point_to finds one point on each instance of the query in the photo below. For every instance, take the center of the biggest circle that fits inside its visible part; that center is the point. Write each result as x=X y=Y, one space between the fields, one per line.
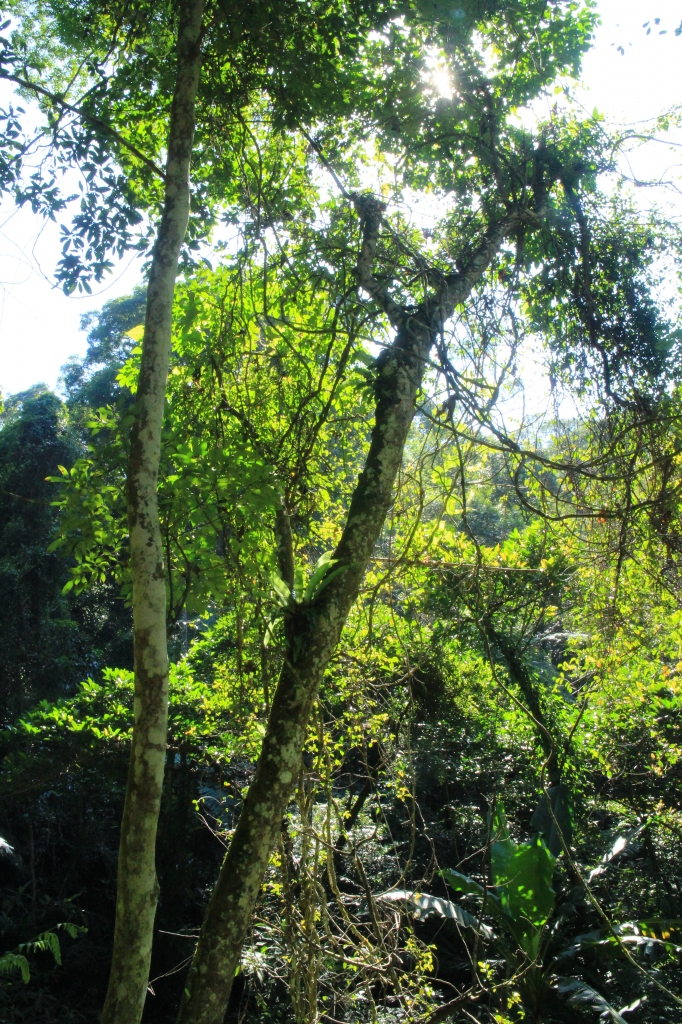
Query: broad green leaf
x=462 y=883
x=427 y=906
x=492 y=904
x=322 y=566
x=282 y=592
x=579 y=993
x=502 y=848
x=326 y=580
x=529 y=882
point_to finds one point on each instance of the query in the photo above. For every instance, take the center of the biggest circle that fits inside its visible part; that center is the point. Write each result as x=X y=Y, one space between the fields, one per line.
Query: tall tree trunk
x=313 y=629
x=520 y=674
x=137 y=891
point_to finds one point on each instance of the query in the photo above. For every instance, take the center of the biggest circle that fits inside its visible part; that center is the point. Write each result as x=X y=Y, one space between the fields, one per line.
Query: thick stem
x=519 y=673
x=285 y=546
x=313 y=630
x=137 y=890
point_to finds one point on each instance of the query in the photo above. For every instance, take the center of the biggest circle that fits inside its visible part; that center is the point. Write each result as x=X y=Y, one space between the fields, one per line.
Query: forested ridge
x=341 y=578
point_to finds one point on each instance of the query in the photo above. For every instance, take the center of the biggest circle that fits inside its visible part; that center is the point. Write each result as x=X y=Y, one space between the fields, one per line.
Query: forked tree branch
x=313 y=628
x=97 y=122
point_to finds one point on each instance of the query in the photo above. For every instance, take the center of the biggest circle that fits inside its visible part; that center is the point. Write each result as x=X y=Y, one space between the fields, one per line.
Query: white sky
x=39 y=325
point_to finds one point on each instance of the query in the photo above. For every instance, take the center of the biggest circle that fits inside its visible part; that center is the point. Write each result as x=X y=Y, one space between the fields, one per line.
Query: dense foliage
x=487 y=817
x=487 y=638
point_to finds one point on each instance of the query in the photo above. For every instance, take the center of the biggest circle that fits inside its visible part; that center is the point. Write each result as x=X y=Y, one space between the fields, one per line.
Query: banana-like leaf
x=655 y=928
x=651 y=934
x=430 y=906
x=661 y=928
x=624 y=845
x=579 y=993
x=522 y=877
x=500 y=831
x=269 y=632
x=524 y=881
x=493 y=905
x=462 y=883
x=427 y=906
x=588 y=940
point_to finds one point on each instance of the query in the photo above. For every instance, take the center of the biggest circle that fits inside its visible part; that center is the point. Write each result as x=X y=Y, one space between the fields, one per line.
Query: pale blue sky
x=39 y=325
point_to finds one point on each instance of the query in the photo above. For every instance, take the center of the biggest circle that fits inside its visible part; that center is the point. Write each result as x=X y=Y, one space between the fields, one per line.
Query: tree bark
x=137 y=890
x=313 y=629
x=520 y=674
x=285 y=546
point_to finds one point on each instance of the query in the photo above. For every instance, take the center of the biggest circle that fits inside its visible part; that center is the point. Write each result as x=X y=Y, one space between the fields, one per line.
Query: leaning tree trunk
x=313 y=629
x=519 y=673
x=137 y=890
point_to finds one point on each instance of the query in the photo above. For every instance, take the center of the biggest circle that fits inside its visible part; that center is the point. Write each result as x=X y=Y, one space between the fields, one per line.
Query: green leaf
x=269 y=633
x=365 y=358
x=492 y=904
x=10 y=962
x=135 y=333
x=462 y=883
x=282 y=592
x=502 y=848
x=428 y=906
x=648 y=934
x=528 y=885
x=526 y=894
x=579 y=993
x=322 y=566
x=623 y=845
x=328 y=578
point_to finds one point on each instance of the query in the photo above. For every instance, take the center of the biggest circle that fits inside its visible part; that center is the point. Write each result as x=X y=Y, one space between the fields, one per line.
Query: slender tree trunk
x=313 y=630
x=520 y=674
x=137 y=891
x=285 y=546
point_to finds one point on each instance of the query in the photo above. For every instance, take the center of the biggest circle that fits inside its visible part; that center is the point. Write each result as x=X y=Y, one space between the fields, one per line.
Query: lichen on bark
x=137 y=887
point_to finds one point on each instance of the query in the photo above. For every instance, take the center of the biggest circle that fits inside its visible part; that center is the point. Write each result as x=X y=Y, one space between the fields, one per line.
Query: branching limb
x=371 y=212
x=84 y=115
